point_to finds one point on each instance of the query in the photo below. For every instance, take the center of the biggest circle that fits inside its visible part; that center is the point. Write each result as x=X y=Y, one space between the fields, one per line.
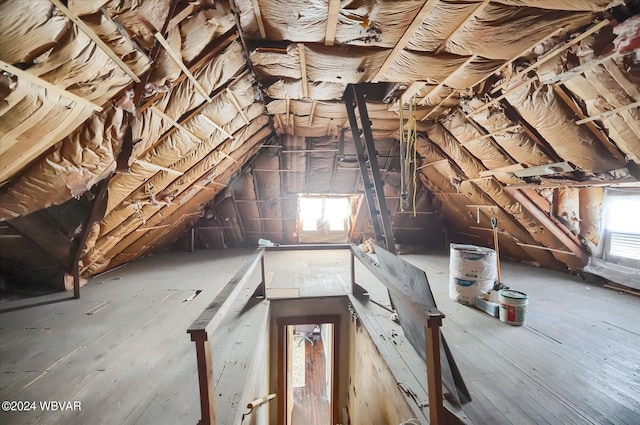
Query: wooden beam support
x=47 y=85
x=258 y=14
x=158 y=167
x=178 y=60
x=502 y=96
x=609 y=113
x=434 y=371
x=94 y=37
x=462 y=25
x=232 y=98
x=544 y=248
x=547 y=222
x=313 y=111
x=332 y=22
x=428 y=6
x=590 y=125
x=181 y=16
x=553 y=53
x=519 y=55
x=303 y=70
x=176 y=124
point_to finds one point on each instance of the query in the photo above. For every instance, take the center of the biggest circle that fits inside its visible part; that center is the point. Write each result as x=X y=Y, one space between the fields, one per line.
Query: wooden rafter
x=590 y=125
x=502 y=96
x=404 y=40
x=258 y=14
x=446 y=82
x=303 y=70
x=176 y=124
x=94 y=37
x=608 y=113
x=47 y=85
x=553 y=53
x=332 y=22
x=159 y=167
x=178 y=60
x=462 y=25
x=182 y=15
x=234 y=101
x=313 y=111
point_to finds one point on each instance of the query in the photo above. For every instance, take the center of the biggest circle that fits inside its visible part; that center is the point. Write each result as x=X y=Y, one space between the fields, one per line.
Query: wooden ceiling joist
x=332 y=22
x=178 y=60
x=462 y=25
x=502 y=96
x=94 y=37
x=159 y=167
x=47 y=85
x=553 y=53
x=428 y=6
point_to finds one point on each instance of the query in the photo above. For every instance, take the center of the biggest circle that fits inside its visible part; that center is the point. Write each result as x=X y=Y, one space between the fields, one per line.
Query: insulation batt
x=198 y=30
x=467 y=135
x=577 y=5
x=74 y=166
x=490 y=33
x=292 y=89
x=540 y=107
x=28 y=29
x=516 y=143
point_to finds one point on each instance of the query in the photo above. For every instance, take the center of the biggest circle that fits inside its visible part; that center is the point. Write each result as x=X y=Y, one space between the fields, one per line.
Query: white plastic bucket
x=465 y=291
x=513 y=306
x=472 y=272
x=472 y=262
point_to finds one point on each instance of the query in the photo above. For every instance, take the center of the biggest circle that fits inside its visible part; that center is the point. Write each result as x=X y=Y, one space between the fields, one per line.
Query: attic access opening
x=324 y=219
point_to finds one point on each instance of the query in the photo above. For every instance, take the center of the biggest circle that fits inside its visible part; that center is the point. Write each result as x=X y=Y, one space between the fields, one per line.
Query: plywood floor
x=123 y=352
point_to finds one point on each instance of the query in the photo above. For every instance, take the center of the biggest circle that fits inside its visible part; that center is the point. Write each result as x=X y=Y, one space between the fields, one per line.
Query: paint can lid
x=516 y=295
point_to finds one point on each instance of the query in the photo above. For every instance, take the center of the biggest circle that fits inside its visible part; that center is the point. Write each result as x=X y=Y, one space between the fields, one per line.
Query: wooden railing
x=204 y=326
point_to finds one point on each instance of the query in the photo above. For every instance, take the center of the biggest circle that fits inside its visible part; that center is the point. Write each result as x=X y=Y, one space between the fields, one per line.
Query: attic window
x=623 y=227
x=317 y=213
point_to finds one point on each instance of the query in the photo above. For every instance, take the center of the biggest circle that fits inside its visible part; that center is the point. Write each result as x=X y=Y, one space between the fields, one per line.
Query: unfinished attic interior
x=320 y=212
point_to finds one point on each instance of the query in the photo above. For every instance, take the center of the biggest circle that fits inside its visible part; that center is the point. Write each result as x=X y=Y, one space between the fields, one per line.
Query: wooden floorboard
x=122 y=349
x=311 y=403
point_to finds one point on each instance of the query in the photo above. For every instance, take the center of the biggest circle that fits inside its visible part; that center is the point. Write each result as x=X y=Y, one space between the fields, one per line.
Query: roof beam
x=462 y=25
x=553 y=53
x=47 y=85
x=608 y=113
x=234 y=101
x=332 y=22
x=428 y=6
x=258 y=14
x=178 y=60
x=94 y=37
x=303 y=70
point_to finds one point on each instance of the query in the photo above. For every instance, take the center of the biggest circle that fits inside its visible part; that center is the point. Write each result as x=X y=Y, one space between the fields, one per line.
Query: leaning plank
x=94 y=37
x=211 y=317
x=178 y=60
x=47 y=85
x=404 y=40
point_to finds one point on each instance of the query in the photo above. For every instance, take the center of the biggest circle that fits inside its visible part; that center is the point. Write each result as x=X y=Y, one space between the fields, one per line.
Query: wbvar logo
x=54 y=405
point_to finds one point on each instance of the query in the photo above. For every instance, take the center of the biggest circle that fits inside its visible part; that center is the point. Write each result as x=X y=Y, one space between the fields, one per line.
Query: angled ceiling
x=522 y=110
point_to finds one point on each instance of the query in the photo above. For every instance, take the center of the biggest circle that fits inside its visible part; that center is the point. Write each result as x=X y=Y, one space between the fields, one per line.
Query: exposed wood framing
x=258 y=14
x=462 y=25
x=234 y=101
x=404 y=40
x=502 y=96
x=313 y=111
x=159 y=167
x=590 y=125
x=47 y=85
x=522 y=53
x=609 y=113
x=182 y=15
x=449 y=96
x=553 y=53
x=545 y=248
x=178 y=60
x=175 y=123
x=547 y=222
x=94 y=37
x=332 y=22
x=214 y=48
x=303 y=70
